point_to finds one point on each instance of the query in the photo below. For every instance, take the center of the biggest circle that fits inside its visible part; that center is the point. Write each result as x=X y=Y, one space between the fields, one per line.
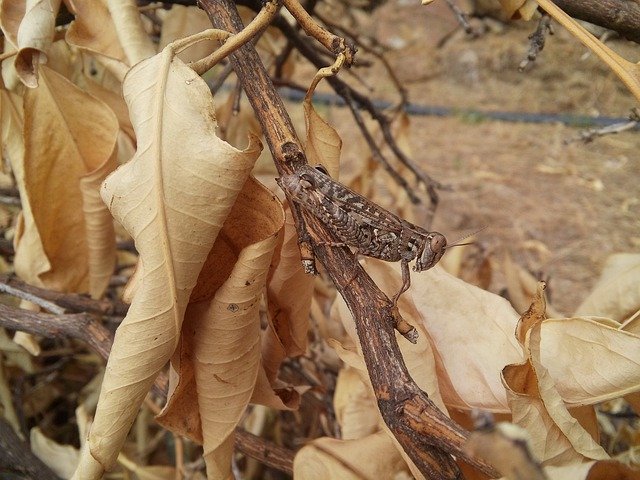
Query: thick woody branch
x=395 y=390
x=622 y=16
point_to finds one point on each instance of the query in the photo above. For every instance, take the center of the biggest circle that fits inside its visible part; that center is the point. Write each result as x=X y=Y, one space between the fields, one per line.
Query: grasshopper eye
x=438 y=243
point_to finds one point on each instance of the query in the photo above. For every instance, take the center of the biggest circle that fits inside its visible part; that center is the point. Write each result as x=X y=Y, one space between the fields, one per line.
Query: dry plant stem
x=88 y=329
x=371 y=309
x=365 y=103
x=331 y=42
x=265 y=451
x=257 y=25
x=81 y=326
x=590 y=135
x=537 y=40
x=377 y=154
x=463 y=18
x=376 y=51
x=325 y=73
x=60 y=302
x=17 y=460
x=622 y=16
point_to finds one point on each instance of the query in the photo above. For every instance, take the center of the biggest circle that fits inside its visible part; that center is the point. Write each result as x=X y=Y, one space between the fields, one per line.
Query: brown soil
x=559 y=209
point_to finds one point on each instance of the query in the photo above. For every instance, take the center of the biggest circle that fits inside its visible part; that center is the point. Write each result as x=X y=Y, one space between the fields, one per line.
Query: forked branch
x=370 y=307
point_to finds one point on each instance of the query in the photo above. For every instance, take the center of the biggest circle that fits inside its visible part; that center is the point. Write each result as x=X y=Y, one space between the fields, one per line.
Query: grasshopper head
x=432 y=251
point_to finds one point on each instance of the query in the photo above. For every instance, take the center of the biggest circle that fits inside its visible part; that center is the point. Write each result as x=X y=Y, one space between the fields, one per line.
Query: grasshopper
x=362 y=225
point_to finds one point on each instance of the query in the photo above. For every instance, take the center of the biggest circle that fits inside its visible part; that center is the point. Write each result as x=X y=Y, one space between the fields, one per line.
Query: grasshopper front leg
x=406 y=281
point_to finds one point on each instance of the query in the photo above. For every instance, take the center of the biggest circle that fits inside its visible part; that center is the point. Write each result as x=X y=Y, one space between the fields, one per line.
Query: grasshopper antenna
x=457 y=242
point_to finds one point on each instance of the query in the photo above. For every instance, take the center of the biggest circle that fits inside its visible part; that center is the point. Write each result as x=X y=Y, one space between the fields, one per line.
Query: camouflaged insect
x=362 y=225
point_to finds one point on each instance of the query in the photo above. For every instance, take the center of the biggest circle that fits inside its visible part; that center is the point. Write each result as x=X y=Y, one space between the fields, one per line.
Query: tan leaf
x=355 y=405
x=30 y=259
x=182 y=21
x=617 y=293
x=323 y=144
x=11 y=14
x=328 y=458
x=35 y=36
x=519 y=8
x=93 y=31
x=173 y=198
x=135 y=41
x=68 y=134
x=227 y=333
x=100 y=232
x=216 y=365
x=289 y=301
x=62 y=459
x=557 y=437
x=115 y=102
x=590 y=360
x=471 y=332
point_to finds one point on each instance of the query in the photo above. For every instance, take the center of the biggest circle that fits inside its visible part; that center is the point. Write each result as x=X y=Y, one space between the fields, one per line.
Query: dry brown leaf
x=557 y=438
x=471 y=332
x=173 y=198
x=68 y=134
x=35 y=36
x=222 y=335
x=135 y=41
x=519 y=8
x=521 y=286
x=93 y=31
x=355 y=406
x=31 y=257
x=590 y=359
x=363 y=459
x=323 y=144
x=182 y=21
x=289 y=301
x=100 y=232
x=11 y=14
x=62 y=459
x=255 y=205
x=617 y=293
x=115 y=102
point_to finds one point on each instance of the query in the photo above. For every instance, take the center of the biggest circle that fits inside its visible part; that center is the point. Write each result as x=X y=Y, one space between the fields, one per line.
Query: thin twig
x=377 y=153
x=344 y=90
x=375 y=49
x=537 y=40
x=333 y=43
x=57 y=302
x=463 y=18
x=587 y=136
